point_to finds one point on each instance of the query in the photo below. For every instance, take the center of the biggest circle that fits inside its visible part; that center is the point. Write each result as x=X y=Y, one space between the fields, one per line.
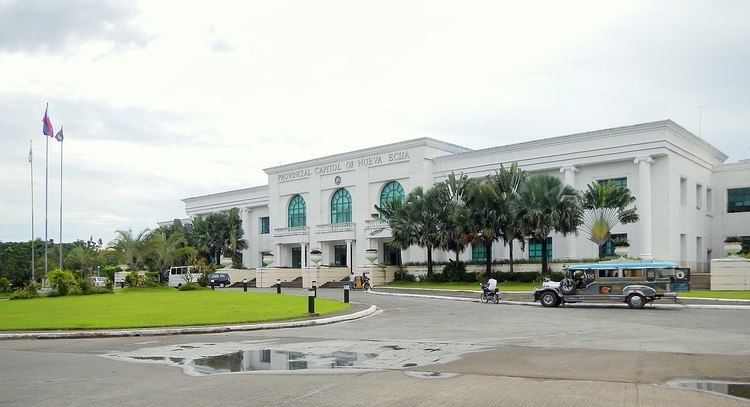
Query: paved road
x=531 y=356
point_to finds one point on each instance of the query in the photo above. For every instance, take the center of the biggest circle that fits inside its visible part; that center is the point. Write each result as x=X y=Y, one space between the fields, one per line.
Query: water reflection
x=264 y=359
x=735 y=389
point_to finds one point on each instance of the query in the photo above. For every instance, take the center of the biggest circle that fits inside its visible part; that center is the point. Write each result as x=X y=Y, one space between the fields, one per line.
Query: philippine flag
x=47 y=129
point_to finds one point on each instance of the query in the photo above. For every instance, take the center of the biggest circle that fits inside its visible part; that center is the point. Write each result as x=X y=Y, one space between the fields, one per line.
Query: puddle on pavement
x=200 y=359
x=724 y=388
x=430 y=375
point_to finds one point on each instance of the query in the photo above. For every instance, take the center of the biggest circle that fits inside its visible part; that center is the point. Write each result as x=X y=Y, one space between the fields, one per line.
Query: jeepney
x=634 y=283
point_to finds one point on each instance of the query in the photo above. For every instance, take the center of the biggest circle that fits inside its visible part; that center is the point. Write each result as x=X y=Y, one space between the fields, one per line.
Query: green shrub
x=556 y=275
x=203 y=279
x=62 y=281
x=402 y=275
x=85 y=286
x=151 y=279
x=133 y=279
x=30 y=291
x=454 y=272
x=109 y=271
x=4 y=285
x=109 y=285
x=528 y=277
x=189 y=287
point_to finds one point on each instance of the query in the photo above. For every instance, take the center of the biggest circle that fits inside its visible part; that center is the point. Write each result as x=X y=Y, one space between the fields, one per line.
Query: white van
x=182 y=275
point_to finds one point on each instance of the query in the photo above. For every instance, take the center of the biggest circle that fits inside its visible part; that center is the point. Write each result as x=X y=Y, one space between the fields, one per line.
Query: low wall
x=418 y=271
x=379 y=275
x=730 y=274
x=323 y=275
x=236 y=275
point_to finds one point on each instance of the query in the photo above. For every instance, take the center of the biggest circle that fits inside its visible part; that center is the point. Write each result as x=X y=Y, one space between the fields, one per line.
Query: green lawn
x=734 y=295
x=155 y=307
x=504 y=286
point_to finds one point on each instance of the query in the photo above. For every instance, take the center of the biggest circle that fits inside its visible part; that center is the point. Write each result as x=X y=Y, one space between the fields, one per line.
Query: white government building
x=688 y=199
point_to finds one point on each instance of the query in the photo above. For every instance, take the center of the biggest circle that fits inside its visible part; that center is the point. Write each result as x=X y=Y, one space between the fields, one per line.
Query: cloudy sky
x=163 y=101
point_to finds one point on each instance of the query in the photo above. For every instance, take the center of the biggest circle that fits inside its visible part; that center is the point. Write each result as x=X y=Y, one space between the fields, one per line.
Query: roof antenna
x=700 y=120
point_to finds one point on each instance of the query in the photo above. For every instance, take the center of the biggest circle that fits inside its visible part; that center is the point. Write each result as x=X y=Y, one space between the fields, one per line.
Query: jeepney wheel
x=568 y=286
x=636 y=301
x=549 y=299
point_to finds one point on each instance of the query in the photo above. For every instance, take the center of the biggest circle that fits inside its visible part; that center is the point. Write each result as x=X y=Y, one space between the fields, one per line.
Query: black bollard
x=346 y=293
x=315 y=288
x=212 y=285
x=310 y=301
x=244 y=285
x=278 y=286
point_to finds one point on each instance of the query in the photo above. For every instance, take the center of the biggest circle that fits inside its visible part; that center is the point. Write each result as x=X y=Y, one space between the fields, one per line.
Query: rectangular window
x=265 y=225
x=683 y=191
x=535 y=249
x=478 y=252
x=265 y=356
x=620 y=182
x=709 y=200
x=683 y=248
x=339 y=255
x=698 y=195
x=608 y=248
x=699 y=252
x=738 y=200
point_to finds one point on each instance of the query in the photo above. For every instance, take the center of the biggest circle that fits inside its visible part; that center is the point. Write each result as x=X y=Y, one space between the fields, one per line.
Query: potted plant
x=732 y=245
x=622 y=248
x=267 y=258
x=316 y=256
x=371 y=255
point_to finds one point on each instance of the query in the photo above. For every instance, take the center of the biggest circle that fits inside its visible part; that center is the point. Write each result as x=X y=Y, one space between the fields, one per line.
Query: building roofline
x=418 y=142
x=613 y=131
x=223 y=193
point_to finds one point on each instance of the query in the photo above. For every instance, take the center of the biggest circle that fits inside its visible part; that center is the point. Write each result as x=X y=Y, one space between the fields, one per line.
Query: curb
x=576 y=305
x=186 y=330
x=457 y=291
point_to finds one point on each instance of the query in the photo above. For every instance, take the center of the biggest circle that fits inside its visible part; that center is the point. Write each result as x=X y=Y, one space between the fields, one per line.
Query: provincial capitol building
x=688 y=199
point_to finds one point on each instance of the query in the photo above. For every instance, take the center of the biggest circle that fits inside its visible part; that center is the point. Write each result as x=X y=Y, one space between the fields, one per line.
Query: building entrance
x=391 y=255
x=296 y=257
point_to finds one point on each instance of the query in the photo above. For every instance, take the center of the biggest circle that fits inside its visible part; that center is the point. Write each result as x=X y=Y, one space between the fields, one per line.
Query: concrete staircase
x=336 y=284
x=296 y=283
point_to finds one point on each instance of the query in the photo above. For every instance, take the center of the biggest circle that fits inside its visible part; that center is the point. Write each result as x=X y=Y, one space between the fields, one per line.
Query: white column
x=303 y=255
x=569 y=178
x=245 y=217
x=349 y=254
x=278 y=255
x=644 y=207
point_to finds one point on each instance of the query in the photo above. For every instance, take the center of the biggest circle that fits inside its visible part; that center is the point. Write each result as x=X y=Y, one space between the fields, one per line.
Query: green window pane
x=478 y=252
x=608 y=248
x=339 y=255
x=341 y=206
x=297 y=212
x=535 y=249
x=738 y=200
x=392 y=191
x=620 y=182
x=265 y=225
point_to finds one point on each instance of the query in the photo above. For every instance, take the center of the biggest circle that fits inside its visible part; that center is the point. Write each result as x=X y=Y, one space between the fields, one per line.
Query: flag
x=59 y=135
x=47 y=129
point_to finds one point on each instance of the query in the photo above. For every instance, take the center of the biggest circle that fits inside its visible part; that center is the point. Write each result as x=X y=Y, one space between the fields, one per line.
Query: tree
x=166 y=251
x=212 y=235
x=480 y=217
x=605 y=206
x=81 y=258
x=132 y=248
x=548 y=205
x=506 y=185
x=415 y=221
x=451 y=195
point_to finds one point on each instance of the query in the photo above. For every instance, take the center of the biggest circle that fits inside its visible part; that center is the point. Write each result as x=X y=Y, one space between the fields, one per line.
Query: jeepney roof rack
x=624 y=265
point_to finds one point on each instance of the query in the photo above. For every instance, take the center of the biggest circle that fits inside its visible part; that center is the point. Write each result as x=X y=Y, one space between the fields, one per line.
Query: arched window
x=392 y=191
x=341 y=206
x=297 y=212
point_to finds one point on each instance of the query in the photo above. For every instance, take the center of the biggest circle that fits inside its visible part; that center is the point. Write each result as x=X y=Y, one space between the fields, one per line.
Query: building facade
x=688 y=199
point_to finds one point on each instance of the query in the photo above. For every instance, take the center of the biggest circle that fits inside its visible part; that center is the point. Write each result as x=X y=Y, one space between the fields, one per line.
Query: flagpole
x=31 y=161
x=61 y=201
x=46 y=205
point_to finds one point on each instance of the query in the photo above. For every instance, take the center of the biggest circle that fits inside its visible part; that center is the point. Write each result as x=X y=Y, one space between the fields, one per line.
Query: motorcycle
x=490 y=295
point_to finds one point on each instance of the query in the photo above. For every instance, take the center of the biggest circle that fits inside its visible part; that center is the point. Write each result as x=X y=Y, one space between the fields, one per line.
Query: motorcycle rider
x=490 y=287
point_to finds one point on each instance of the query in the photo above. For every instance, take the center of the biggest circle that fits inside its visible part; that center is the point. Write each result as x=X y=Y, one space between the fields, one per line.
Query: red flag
x=47 y=129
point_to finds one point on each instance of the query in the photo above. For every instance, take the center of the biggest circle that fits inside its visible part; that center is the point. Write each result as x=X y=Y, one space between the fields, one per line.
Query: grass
x=729 y=295
x=156 y=307
x=504 y=286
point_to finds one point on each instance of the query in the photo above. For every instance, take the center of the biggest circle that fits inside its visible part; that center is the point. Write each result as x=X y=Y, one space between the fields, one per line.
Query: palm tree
x=130 y=247
x=505 y=185
x=605 y=206
x=166 y=251
x=548 y=205
x=481 y=219
x=451 y=194
x=80 y=258
x=415 y=221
